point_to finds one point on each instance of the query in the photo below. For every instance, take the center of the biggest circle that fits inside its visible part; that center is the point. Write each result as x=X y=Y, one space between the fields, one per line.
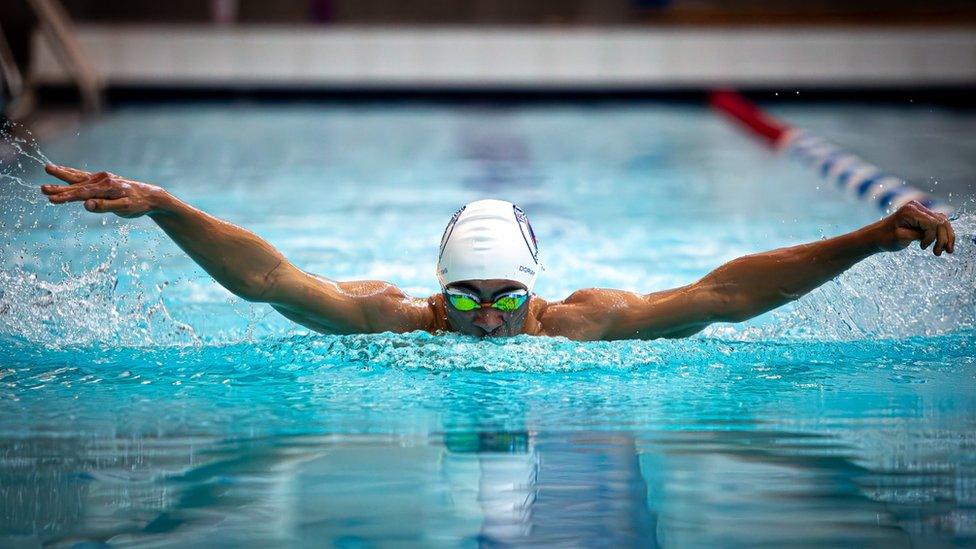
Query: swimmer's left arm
x=751 y=285
x=747 y=286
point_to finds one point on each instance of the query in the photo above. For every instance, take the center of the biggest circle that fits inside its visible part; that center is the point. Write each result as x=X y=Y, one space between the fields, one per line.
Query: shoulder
x=374 y=306
x=602 y=300
x=391 y=309
x=437 y=314
x=582 y=315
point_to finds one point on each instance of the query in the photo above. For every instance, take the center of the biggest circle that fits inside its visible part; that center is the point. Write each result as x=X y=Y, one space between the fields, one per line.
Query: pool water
x=142 y=404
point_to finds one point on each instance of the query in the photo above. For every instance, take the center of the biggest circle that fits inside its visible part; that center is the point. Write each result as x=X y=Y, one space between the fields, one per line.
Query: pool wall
x=518 y=58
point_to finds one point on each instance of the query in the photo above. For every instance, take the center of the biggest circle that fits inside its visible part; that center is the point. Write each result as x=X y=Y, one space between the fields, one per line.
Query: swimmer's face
x=487 y=321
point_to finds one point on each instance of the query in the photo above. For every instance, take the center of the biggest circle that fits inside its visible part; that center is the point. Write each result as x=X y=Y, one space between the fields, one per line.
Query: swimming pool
x=140 y=403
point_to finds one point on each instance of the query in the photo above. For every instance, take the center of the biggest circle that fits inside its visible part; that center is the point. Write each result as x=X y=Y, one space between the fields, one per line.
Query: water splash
x=892 y=295
x=46 y=297
x=17 y=146
x=55 y=297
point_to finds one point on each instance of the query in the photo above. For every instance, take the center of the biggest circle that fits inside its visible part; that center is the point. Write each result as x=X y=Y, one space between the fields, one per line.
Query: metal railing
x=57 y=28
x=12 y=88
x=58 y=32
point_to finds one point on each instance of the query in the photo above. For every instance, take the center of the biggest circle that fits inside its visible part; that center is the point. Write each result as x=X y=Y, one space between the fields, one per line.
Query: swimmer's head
x=488 y=251
x=488 y=239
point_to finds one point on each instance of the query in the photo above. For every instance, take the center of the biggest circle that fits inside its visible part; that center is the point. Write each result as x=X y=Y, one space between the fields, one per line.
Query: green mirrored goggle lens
x=463 y=303
x=507 y=303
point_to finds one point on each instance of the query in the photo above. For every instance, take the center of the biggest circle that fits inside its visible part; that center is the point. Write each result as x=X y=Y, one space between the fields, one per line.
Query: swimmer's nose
x=488 y=319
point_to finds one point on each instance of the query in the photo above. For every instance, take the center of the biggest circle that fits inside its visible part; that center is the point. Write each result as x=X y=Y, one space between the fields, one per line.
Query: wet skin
x=253 y=269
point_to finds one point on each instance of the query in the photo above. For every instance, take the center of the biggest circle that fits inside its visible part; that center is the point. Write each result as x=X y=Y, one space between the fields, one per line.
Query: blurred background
x=85 y=52
x=63 y=60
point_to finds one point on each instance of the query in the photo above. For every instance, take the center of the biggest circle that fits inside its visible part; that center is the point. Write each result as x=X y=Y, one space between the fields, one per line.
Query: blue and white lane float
x=838 y=167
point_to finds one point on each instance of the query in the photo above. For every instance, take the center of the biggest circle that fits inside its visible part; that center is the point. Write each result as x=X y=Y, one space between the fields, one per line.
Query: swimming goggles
x=508 y=302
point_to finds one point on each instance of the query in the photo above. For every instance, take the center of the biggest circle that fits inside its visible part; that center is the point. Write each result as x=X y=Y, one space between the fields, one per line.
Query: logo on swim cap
x=447 y=233
x=527 y=233
x=488 y=239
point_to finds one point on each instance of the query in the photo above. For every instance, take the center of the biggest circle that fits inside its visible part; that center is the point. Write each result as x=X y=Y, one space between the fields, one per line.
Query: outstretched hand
x=102 y=192
x=912 y=222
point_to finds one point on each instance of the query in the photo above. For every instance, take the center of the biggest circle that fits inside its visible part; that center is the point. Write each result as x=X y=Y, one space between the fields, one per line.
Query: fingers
x=928 y=239
x=101 y=192
x=101 y=205
x=54 y=189
x=935 y=227
x=75 y=195
x=69 y=175
x=84 y=192
x=942 y=239
x=76 y=178
x=947 y=236
x=952 y=238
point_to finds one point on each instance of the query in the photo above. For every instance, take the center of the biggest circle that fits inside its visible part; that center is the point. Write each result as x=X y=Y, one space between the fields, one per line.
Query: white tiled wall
x=519 y=57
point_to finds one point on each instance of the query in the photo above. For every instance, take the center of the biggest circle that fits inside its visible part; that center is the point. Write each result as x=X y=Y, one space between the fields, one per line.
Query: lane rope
x=838 y=167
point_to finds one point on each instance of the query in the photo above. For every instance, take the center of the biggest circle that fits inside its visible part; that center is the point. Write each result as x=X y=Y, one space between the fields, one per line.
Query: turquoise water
x=142 y=404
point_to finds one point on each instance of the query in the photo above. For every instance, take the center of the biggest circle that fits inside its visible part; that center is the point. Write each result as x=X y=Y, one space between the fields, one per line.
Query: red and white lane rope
x=838 y=167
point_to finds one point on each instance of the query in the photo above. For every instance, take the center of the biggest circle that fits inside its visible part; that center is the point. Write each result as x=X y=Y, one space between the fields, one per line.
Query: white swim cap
x=488 y=239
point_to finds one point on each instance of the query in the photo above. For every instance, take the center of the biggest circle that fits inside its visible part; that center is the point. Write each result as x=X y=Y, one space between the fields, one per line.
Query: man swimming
x=487 y=268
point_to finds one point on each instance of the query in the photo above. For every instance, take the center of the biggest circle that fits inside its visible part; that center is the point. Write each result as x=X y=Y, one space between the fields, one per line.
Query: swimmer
x=487 y=268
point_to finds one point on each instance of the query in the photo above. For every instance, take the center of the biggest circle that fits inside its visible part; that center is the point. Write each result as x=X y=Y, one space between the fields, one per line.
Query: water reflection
x=617 y=489
x=499 y=156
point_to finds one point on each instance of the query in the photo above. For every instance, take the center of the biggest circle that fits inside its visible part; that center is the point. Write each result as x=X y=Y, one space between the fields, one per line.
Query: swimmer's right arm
x=244 y=263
